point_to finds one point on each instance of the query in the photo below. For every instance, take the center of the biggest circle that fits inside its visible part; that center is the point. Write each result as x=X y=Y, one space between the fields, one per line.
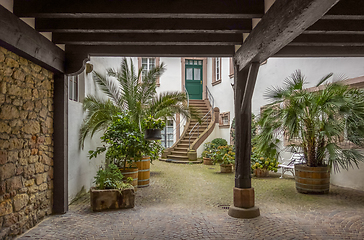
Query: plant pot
x=258 y=172
x=131 y=172
x=312 y=179
x=111 y=199
x=143 y=171
x=153 y=134
x=208 y=161
x=226 y=168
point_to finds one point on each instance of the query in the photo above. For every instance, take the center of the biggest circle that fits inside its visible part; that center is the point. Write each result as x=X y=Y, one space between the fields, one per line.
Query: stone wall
x=26 y=144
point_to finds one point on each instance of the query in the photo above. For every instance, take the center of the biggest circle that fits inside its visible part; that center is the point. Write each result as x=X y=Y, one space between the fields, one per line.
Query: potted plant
x=208 y=153
x=261 y=165
x=225 y=156
x=316 y=119
x=153 y=128
x=112 y=191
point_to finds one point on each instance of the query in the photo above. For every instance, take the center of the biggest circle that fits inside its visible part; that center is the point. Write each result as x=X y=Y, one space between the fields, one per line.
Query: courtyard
x=191 y=202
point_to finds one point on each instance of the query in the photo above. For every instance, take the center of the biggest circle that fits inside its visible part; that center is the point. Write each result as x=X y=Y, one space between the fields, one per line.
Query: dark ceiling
x=184 y=27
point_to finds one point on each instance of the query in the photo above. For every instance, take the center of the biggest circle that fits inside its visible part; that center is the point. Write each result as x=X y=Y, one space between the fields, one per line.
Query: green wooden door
x=193 y=78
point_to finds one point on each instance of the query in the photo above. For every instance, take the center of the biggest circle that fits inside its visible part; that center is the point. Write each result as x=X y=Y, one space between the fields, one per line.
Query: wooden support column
x=60 y=166
x=244 y=199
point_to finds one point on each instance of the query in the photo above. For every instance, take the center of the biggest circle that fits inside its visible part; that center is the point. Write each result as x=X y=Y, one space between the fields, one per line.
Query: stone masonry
x=26 y=144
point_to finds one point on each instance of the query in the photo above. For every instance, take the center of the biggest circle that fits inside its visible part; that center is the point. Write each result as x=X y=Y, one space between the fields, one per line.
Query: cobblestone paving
x=184 y=202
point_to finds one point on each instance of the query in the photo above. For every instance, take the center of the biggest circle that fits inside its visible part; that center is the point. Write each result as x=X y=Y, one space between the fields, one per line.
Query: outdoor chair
x=296 y=158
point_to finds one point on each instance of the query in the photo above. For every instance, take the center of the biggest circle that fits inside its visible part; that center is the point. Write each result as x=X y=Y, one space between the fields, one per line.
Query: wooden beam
x=147 y=38
x=20 y=38
x=325 y=26
x=328 y=40
x=139 y=8
x=244 y=88
x=122 y=25
x=284 y=21
x=346 y=9
x=320 y=51
x=60 y=138
x=77 y=55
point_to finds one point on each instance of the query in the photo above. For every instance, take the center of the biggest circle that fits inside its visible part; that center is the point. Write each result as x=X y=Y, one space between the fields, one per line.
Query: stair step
x=181 y=149
x=177 y=157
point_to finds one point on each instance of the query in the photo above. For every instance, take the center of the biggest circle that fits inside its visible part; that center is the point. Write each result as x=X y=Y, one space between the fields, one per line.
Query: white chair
x=297 y=158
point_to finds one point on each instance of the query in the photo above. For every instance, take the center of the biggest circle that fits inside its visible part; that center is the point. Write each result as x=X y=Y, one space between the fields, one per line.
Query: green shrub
x=111 y=178
x=219 y=142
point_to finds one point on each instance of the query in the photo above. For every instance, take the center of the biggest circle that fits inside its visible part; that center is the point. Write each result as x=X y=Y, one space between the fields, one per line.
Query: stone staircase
x=179 y=152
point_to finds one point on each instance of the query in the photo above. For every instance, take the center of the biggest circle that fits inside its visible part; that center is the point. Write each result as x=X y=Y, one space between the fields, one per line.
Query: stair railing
x=204 y=120
x=184 y=119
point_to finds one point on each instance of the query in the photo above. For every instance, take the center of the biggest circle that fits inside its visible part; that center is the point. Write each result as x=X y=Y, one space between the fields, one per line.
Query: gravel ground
x=190 y=201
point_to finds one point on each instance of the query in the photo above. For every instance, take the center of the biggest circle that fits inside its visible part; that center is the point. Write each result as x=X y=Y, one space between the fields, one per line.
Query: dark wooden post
x=244 y=199
x=60 y=163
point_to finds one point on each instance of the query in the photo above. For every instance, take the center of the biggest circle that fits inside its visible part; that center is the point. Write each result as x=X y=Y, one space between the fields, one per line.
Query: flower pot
x=258 y=172
x=131 y=172
x=153 y=134
x=226 y=168
x=111 y=199
x=312 y=179
x=208 y=161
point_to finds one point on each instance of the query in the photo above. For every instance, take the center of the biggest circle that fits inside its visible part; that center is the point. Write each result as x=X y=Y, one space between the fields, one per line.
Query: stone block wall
x=26 y=143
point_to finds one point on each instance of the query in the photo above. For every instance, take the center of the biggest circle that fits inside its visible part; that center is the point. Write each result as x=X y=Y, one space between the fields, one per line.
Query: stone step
x=177 y=153
x=177 y=157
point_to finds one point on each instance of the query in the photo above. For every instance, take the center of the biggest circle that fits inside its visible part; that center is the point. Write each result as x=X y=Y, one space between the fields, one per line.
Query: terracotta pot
x=208 y=161
x=258 y=172
x=226 y=168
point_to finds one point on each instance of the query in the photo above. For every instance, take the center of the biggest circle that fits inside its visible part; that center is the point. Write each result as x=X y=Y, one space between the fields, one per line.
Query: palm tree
x=128 y=90
x=317 y=119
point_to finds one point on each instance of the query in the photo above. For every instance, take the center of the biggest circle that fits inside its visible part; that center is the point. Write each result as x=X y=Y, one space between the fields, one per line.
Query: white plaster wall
x=171 y=80
x=274 y=72
x=214 y=134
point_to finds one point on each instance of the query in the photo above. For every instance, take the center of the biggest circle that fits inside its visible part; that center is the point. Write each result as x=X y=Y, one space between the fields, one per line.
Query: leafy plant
x=219 y=142
x=130 y=91
x=209 y=150
x=111 y=178
x=151 y=123
x=224 y=155
x=315 y=119
x=266 y=163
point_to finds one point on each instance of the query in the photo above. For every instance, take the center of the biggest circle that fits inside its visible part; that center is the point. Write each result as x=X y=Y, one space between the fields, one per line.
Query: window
x=231 y=73
x=146 y=64
x=73 y=88
x=167 y=134
x=224 y=120
x=216 y=71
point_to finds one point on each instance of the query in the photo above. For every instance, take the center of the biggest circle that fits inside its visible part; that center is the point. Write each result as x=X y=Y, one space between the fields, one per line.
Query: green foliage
x=126 y=93
x=259 y=161
x=111 y=178
x=210 y=148
x=224 y=155
x=124 y=143
x=219 y=142
x=314 y=121
x=151 y=123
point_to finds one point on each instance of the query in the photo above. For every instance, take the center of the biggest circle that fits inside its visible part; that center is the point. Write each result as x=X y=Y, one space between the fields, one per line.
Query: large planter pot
x=312 y=179
x=143 y=172
x=153 y=134
x=208 y=161
x=226 y=168
x=111 y=199
x=131 y=172
x=258 y=172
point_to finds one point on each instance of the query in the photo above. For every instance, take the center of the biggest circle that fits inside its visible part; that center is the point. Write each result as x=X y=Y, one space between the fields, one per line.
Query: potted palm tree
x=314 y=120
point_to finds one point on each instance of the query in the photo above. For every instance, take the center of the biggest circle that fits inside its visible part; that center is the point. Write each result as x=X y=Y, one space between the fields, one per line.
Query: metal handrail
x=204 y=119
x=184 y=119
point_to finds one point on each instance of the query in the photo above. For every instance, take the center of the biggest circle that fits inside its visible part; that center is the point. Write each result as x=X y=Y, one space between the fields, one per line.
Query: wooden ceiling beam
x=139 y=8
x=328 y=40
x=337 y=26
x=346 y=9
x=284 y=21
x=78 y=55
x=320 y=51
x=120 y=25
x=147 y=39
